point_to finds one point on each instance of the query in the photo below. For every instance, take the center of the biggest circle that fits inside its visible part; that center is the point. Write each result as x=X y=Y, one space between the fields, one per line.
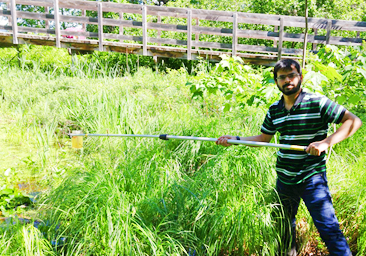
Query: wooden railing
x=148 y=18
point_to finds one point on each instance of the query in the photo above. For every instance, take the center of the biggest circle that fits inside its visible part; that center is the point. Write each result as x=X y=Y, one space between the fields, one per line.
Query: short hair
x=286 y=64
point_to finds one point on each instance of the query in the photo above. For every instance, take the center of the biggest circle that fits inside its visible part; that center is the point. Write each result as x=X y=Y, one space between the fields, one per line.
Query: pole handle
x=298 y=148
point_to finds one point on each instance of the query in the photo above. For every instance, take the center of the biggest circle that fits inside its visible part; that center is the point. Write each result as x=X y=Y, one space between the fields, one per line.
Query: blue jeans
x=315 y=193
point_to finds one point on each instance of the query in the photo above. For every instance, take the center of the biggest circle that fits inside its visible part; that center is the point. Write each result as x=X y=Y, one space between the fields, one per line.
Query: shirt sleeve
x=267 y=126
x=330 y=111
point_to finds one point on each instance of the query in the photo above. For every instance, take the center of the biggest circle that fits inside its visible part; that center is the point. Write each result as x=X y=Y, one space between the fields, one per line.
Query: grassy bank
x=147 y=196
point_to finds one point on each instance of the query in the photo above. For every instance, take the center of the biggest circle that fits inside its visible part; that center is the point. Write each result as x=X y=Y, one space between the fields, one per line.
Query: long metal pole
x=167 y=137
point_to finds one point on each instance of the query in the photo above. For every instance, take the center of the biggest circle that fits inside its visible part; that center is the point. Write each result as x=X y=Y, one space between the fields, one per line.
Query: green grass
x=146 y=196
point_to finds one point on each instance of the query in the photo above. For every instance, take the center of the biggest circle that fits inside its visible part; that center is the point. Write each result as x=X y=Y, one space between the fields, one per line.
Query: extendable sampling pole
x=77 y=140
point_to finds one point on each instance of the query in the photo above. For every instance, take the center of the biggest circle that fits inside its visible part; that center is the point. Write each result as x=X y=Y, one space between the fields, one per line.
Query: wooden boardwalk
x=170 y=32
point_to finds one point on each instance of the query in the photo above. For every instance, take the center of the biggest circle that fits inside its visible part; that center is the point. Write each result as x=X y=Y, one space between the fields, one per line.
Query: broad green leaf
x=332 y=74
x=269 y=91
x=197 y=94
x=250 y=101
x=354 y=99
x=341 y=99
x=227 y=107
x=316 y=78
x=193 y=88
x=6 y=191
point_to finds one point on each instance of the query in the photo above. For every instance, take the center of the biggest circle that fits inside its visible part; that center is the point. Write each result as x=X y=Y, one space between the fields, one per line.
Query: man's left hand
x=316 y=148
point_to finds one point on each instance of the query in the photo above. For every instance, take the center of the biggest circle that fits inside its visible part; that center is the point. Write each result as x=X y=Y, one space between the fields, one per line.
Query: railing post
x=197 y=36
x=83 y=14
x=121 y=27
x=315 y=33
x=100 y=26
x=159 y=31
x=14 y=22
x=280 y=41
x=47 y=22
x=57 y=23
x=8 y=7
x=189 y=35
x=275 y=40
x=235 y=34
x=329 y=28
x=144 y=31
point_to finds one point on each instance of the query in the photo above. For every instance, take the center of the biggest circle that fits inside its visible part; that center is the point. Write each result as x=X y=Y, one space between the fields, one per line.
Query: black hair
x=286 y=64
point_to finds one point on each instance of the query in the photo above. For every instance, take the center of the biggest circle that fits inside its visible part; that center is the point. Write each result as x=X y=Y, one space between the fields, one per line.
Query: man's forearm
x=350 y=124
x=259 y=138
x=347 y=129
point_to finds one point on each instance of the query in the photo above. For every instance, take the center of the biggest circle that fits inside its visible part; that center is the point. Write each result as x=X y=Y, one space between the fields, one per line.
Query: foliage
x=240 y=85
x=11 y=198
x=340 y=74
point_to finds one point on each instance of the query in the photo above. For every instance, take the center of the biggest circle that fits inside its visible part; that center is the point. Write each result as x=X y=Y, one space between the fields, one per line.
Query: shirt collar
x=297 y=101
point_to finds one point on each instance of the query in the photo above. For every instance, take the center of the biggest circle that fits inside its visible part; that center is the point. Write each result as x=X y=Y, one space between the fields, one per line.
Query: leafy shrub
x=231 y=83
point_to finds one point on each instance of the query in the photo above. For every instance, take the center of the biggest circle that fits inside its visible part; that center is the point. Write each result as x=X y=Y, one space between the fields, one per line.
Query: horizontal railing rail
x=231 y=26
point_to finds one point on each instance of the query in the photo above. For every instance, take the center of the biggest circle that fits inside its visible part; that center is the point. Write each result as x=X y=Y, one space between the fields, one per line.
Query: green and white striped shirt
x=306 y=122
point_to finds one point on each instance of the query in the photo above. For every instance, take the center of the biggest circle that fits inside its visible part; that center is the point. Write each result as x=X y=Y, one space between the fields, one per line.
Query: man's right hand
x=223 y=140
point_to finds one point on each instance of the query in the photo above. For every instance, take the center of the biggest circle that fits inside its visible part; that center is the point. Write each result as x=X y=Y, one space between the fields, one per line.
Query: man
x=302 y=119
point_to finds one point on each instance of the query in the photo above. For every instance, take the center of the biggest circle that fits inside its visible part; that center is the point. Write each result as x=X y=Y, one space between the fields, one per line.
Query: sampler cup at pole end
x=77 y=141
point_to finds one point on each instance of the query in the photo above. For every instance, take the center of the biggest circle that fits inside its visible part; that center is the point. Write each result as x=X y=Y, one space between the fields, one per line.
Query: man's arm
x=260 y=138
x=350 y=124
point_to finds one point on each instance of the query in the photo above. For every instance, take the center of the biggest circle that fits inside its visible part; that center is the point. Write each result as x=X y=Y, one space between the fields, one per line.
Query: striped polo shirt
x=306 y=122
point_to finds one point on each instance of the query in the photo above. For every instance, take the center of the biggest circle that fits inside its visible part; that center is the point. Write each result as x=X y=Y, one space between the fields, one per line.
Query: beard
x=287 y=91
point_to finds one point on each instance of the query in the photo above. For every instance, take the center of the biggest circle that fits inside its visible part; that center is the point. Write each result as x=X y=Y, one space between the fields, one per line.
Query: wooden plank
x=57 y=23
x=6 y=13
x=213 y=45
x=6 y=28
x=82 y=5
x=123 y=37
x=280 y=41
x=248 y=48
x=78 y=34
x=37 y=30
x=35 y=16
x=167 y=27
x=168 y=41
x=235 y=34
x=144 y=30
x=45 y=3
x=14 y=21
x=267 y=49
x=79 y=19
x=214 y=31
x=329 y=28
x=164 y=9
x=100 y=26
x=189 y=35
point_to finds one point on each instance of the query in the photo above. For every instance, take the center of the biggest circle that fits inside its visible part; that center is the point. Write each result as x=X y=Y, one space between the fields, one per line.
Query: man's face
x=288 y=81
